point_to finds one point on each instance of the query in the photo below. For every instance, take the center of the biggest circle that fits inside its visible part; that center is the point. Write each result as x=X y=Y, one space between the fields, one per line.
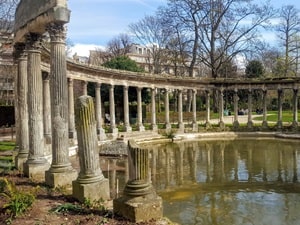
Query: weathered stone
x=61 y=172
x=36 y=163
x=139 y=201
x=90 y=183
x=139 y=209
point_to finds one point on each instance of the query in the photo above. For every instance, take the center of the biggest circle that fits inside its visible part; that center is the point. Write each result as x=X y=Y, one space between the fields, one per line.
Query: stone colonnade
x=44 y=122
x=180 y=125
x=37 y=130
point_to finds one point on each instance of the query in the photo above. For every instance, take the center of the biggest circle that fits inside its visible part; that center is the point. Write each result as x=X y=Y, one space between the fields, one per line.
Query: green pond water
x=226 y=182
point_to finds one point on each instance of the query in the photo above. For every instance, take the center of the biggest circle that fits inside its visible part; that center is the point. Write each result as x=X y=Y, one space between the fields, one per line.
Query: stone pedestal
x=236 y=124
x=139 y=201
x=250 y=124
x=139 y=209
x=60 y=179
x=20 y=159
x=92 y=191
x=207 y=125
x=36 y=171
x=195 y=127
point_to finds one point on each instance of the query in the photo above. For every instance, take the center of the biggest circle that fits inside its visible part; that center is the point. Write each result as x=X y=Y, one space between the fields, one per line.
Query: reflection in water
x=228 y=182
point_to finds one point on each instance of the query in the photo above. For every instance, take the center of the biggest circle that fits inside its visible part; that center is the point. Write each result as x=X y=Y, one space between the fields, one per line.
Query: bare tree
x=288 y=29
x=7 y=11
x=119 y=45
x=150 y=32
x=217 y=31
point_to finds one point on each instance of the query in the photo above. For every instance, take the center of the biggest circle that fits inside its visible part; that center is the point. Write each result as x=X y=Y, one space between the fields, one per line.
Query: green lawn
x=287 y=116
x=6 y=145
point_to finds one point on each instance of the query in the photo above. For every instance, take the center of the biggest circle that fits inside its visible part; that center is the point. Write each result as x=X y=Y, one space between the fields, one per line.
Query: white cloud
x=84 y=49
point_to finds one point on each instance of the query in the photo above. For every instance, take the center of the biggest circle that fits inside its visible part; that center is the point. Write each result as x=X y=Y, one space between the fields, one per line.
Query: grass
x=287 y=116
x=7 y=145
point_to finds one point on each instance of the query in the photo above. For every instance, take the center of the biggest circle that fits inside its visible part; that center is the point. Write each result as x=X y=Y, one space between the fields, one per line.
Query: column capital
x=33 y=42
x=57 y=32
x=19 y=51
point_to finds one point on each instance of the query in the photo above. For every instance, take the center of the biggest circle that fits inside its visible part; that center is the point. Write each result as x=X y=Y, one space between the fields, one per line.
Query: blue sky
x=94 y=22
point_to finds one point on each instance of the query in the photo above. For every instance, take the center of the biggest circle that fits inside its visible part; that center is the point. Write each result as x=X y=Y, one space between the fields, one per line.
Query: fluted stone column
x=23 y=131
x=295 y=109
x=47 y=115
x=113 y=128
x=140 y=125
x=207 y=122
x=128 y=128
x=16 y=108
x=153 y=110
x=194 y=108
x=47 y=107
x=100 y=131
x=90 y=183
x=84 y=84
x=61 y=172
x=72 y=131
x=167 y=111
x=36 y=164
x=139 y=201
x=180 y=114
x=279 y=120
x=265 y=121
x=235 y=99
x=250 y=122
x=221 y=109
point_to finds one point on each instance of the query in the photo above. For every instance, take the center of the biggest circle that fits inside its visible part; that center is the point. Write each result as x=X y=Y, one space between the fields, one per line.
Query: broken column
x=90 y=183
x=139 y=201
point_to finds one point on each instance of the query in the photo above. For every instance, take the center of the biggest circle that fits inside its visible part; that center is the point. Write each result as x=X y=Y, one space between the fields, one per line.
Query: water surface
x=228 y=182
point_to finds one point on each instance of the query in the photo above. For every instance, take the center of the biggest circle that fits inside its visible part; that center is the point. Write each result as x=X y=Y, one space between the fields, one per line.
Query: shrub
x=17 y=201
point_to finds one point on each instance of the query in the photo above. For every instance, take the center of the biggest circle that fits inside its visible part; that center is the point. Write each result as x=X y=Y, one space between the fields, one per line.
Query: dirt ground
x=47 y=200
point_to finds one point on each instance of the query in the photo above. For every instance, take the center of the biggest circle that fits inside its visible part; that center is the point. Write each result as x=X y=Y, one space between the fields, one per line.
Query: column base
x=128 y=128
x=207 y=125
x=279 y=125
x=264 y=125
x=250 y=125
x=222 y=125
x=101 y=134
x=195 y=127
x=65 y=178
x=295 y=125
x=36 y=171
x=154 y=127
x=180 y=128
x=114 y=132
x=236 y=124
x=93 y=191
x=139 y=209
x=141 y=128
x=20 y=159
x=168 y=127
